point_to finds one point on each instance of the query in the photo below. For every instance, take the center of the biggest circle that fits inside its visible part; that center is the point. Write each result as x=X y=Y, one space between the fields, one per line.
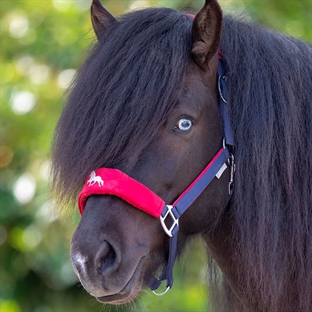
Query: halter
x=107 y=181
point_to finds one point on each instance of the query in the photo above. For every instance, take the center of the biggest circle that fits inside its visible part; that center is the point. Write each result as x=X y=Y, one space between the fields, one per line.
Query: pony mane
x=118 y=101
x=270 y=87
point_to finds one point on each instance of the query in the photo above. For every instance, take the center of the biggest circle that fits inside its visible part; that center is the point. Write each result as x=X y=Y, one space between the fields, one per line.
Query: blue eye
x=184 y=124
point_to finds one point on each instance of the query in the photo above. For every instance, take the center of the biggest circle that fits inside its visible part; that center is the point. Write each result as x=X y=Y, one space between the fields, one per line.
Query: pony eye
x=184 y=124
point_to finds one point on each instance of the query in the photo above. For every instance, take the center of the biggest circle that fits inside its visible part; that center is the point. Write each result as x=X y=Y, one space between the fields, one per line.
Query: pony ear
x=206 y=33
x=101 y=18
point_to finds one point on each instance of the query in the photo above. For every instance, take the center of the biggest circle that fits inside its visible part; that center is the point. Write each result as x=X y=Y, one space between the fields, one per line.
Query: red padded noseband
x=105 y=181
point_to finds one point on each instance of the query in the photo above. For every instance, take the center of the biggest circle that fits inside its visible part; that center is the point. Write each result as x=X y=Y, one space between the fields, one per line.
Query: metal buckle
x=175 y=221
x=232 y=172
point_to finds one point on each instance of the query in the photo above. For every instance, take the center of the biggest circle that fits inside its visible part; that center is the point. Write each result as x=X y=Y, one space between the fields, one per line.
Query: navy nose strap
x=222 y=160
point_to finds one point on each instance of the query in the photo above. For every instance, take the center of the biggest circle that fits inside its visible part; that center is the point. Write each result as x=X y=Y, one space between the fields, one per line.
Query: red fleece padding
x=105 y=181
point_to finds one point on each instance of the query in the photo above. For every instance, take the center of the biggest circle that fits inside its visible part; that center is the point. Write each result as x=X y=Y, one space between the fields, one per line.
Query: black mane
x=118 y=103
x=270 y=87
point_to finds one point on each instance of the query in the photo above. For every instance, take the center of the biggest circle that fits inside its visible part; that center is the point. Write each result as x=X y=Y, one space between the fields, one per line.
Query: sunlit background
x=42 y=45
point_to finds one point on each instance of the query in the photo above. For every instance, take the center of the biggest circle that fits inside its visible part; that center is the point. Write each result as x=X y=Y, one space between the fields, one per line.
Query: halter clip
x=231 y=163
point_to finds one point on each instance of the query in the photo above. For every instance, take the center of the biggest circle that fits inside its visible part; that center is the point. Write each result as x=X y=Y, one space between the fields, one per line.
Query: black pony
x=146 y=102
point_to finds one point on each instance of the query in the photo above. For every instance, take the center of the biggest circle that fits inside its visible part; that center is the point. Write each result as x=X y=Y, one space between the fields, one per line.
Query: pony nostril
x=105 y=259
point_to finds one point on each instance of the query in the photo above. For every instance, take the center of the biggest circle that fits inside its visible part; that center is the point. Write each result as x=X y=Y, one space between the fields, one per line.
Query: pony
x=144 y=117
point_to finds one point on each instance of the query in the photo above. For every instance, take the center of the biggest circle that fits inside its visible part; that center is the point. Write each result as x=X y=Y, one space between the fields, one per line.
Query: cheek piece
x=107 y=181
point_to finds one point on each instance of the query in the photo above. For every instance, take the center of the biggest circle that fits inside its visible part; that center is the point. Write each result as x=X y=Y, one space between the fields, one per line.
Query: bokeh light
x=6 y=155
x=139 y=4
x=18 y=25
x=23 y=102
x=65 y=78
x=24 y=188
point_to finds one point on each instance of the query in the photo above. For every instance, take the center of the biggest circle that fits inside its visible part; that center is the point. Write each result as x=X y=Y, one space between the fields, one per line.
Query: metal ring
x=219 y=88
x=162 y=293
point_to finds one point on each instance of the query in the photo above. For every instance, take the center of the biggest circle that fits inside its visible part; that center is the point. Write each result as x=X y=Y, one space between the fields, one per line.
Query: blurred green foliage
x=42 y=44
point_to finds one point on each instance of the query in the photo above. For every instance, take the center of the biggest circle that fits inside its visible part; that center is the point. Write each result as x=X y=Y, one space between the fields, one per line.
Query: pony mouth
x=129 y=292
x=119 y=299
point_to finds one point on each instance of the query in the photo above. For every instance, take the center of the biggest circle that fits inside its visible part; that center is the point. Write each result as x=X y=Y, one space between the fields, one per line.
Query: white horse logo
x=94 y=178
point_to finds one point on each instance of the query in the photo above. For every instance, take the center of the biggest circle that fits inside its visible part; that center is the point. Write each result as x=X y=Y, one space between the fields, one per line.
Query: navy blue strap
x=167 y=273
x=190 y=196
x=179 y=208
x=204 y=179
x=227 y=127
